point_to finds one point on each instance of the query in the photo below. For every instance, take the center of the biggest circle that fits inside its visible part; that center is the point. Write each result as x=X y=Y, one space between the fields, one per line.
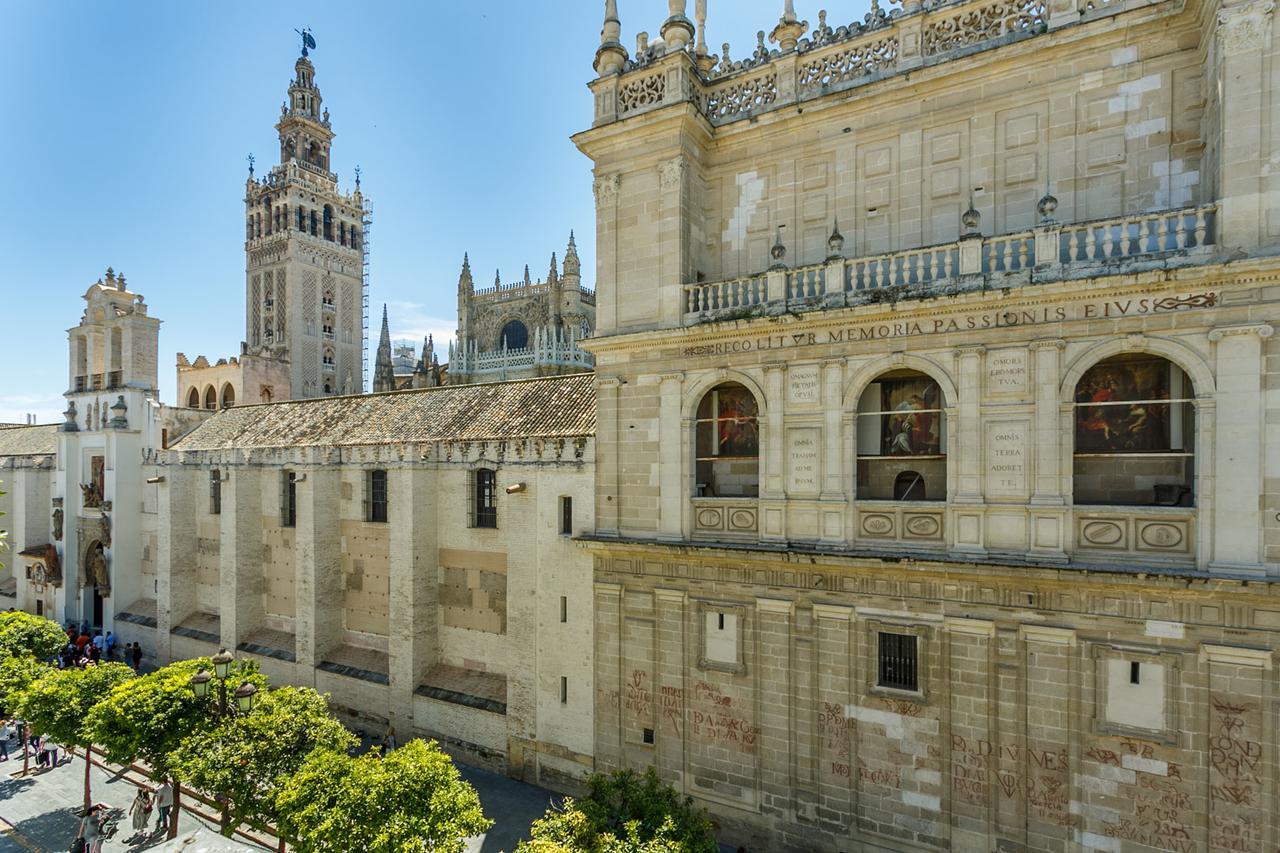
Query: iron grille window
x=486 y=514
x=899 y=662
x=566 y=516
x=288 y=499
x=215 y=492
x=378 y=496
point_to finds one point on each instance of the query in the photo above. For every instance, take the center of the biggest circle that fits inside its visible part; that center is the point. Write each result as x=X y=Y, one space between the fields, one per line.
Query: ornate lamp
x=200 y=683
x=222 y=663
x=244 y=697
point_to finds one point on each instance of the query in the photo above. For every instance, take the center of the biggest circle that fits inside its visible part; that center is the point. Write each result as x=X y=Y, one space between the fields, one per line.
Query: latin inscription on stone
x=802 y=460
x=802 y=385
x=1006 y=459
x=1007 y=371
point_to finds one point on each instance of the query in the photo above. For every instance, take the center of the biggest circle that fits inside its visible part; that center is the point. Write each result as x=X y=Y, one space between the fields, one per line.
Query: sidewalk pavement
x=40 y=812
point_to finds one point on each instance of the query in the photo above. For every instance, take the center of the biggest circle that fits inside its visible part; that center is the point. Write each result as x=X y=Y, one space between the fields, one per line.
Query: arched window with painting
x=727 y=443
x=902 y=439
x=1135 y=426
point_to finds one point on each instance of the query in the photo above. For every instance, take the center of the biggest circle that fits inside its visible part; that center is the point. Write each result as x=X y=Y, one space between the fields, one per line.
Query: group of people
x=84 y=650
x=46 y=750
x=94 y=825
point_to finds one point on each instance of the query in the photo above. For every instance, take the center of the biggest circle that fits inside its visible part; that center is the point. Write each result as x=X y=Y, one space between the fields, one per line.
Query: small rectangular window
x=564 y=690
x=566 y=516
x=288 y=499
x=486 y=499
x=647 y=735
x=377 y=487
x=215 y=492
x=1135 y=671
x=899 y=667
x=720 y=617
x=564 y=608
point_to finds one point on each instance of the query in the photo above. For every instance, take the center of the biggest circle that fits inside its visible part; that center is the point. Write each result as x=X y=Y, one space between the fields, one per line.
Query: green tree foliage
x=381 y=805
x=16 y=673
x=57 y=704
x=149 y=717
x=247 y=758
x=25 y=634
x=623 y=812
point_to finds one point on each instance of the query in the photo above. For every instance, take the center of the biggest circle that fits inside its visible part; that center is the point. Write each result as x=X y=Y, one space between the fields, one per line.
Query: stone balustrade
x=1048 y=252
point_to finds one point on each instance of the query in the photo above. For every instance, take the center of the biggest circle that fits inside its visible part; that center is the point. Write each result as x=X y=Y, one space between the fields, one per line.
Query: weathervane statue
x=307 y=40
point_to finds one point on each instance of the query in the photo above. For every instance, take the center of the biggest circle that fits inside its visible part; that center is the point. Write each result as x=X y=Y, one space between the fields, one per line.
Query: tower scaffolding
x=366 y=223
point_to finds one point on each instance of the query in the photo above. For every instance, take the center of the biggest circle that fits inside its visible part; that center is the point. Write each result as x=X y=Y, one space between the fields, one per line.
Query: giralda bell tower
x=305 y=253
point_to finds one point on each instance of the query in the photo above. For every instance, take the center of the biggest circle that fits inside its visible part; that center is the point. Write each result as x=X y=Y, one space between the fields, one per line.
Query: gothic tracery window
x=514 y=335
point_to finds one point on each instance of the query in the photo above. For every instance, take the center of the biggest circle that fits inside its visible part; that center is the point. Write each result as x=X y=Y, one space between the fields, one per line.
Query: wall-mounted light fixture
x=153 y=480
x=516 y=487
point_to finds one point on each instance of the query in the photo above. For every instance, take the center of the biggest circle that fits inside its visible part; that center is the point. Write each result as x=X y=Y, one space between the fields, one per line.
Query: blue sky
x=127 y=126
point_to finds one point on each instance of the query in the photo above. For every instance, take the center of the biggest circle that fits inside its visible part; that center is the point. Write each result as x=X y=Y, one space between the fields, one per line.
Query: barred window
x=215 y=492
x=898 y=665
x=377 y=487
x=288 y=499
x=486 y=499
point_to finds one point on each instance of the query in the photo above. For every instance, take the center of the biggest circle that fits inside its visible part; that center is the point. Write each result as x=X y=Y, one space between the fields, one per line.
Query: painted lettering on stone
x=802 y=460
x=1235 y=775
x=1006 y=458
x=715 y=719
x=802 y=385
x=1007 y=371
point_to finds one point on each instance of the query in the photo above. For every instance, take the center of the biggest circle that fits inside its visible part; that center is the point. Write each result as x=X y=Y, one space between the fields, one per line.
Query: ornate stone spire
x=553 y=275
x=611 y=54
x=572 y=266
x=789 y=29
x=384 y=378
x=527 y=280
x=465 y=283
x=304 y=129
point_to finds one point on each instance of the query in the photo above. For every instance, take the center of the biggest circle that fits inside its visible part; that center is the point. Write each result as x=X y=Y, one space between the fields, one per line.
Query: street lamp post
x=242 y=704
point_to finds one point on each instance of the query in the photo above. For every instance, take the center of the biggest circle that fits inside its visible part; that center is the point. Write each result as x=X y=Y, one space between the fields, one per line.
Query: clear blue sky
x=126 y=127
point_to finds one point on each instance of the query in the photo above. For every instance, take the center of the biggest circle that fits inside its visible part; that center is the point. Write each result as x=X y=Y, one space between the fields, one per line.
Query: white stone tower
x=304 y=253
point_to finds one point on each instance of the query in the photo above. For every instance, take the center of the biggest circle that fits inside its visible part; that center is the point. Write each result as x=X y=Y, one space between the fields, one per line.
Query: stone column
x=672 y=492
x=1047 y=355
x=411 y=611
x=317 y=567
x=176 y=557
x=1243 y=40
x=774 y=690
x=240 y=552
x=671 y=240
x=1238 y=448
x=772 y=435
x=607 y=455
x=606 y=191
x=834 y=487
x=969 y=433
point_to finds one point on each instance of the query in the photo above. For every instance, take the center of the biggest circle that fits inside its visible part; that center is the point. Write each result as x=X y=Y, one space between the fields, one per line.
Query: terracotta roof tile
x=28 y=440
x=553 y=407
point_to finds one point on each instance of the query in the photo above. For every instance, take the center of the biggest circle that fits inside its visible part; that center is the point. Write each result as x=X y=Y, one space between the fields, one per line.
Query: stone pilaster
x=834 y=487
x=608 y=678
x=317 y=567
x=968 y=463
x=607 y=456
x=1047 y=355
x=670 y=688
x=412 y=608
x=240 y=552
x=672 y=494
x=771 y=433
x=176 y=544
x=1238 y=437
x=773 y=684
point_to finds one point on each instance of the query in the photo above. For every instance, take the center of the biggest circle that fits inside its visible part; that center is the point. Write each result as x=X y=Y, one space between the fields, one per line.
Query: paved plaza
x=40 y=812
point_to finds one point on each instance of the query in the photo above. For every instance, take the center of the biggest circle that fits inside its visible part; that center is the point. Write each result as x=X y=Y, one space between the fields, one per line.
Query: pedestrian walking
x=42 y=754
x=91 y=830
x=140 y=812
x=389 y=740
x=164 y=802
x=137 y=657
x=6 y=732
x=52 y=748
x=110 y=646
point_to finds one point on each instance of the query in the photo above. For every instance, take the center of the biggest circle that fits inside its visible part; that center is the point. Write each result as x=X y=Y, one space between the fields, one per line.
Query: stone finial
x=703 y=58
x=1046 y=207
x=835 y=243
x=611 y=54
x=527 y=280
x=111 y=276
x=642 y=42
x=789 y=29
x=120 y=282
x=118 y=411
x=384 y=378
x=677 y=30
x=971 y=219
x=778 y=251
x=497 y=278
x=70 y=414
x=572 y=265
x=553 y=276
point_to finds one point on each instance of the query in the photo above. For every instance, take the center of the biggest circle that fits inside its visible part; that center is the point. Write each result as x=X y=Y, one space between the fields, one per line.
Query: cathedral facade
x=937 y=490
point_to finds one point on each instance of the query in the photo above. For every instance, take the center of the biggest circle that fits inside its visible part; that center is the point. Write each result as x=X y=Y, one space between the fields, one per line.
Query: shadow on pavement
x=53 y=830
x=11 y=787
x=512 y=805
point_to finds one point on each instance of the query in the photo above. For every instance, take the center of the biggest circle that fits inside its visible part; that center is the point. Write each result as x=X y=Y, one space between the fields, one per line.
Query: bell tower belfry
x=305 y=252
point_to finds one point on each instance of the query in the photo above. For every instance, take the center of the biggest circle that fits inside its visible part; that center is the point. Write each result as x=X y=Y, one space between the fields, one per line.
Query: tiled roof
x=28 y=440
x=558 y=406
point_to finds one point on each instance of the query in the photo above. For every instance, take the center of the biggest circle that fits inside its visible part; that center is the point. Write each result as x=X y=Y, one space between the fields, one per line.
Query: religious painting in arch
x=911 y=425
x=1131 y=405
x=737 y=421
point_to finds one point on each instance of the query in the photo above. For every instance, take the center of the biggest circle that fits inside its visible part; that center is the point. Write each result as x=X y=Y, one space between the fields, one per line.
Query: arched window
x=266 y=394
x=727 y=443
x=228 y=396
x=514 y=336
x=328 y=223
x=1135 y=433
x=210 y=398
x=342 y=233
x=300 y=225
x=313 y=224
x=266 y=206
x=902 y=439
x=193 y=398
